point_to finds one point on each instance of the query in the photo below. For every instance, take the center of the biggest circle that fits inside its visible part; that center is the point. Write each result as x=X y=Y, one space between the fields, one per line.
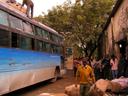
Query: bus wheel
x=56 y=75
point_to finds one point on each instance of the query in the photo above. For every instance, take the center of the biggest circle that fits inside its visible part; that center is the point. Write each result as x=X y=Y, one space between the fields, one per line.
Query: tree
x=81 y=22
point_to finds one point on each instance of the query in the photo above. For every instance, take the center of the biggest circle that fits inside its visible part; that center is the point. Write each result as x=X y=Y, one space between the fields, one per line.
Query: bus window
x=43 y=33
x=4 y=18
x=55 y=49
x=56 y=38
x=60 y=40
x=25 y=43
x=33 y=29
x=46 y=35
x=51 y=36
x=44 y=46
x=61 y=49
x=39 y=45
x=28 y=28
x=58 y=50
x=15 y=22
x=52 y=48
x=38 y=31
x=48 y=47
x=33 y=43
x=4 y=38
x=14 y=40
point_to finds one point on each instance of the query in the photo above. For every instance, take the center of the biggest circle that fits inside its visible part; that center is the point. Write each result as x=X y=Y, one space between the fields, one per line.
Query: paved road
x=47 y=87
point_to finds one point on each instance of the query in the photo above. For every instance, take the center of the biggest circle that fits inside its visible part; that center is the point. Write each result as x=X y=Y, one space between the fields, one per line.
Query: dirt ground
x=47 y=87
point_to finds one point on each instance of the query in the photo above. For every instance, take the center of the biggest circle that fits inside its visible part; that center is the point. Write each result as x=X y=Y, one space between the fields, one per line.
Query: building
x=113 y=39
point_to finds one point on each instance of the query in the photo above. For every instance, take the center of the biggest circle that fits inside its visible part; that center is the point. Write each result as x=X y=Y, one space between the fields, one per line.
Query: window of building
x=4 y=38
x=4 y=18
x=15 y=22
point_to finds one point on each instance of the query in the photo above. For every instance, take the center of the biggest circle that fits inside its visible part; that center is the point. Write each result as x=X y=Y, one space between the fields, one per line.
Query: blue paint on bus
x=12 y=59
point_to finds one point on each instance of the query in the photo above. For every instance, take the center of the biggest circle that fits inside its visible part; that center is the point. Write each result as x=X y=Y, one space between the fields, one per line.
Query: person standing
x=106 y=67
x=75 y=62
x=122 y=67
x=29 y=5
x=98 y=69
x=85 y=76
x=114 y=66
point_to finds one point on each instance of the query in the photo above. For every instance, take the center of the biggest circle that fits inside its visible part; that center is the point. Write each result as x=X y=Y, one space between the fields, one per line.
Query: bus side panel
x=20 y=68
x=11 y=81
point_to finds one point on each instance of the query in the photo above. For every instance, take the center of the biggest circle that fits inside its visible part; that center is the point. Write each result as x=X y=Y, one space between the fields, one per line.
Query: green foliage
x=81 y=22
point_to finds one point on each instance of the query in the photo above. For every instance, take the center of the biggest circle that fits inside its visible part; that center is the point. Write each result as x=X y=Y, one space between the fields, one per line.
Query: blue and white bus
x=30 y=52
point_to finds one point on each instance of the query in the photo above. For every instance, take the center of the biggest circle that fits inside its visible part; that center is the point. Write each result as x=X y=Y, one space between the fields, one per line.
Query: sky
x=44 y=5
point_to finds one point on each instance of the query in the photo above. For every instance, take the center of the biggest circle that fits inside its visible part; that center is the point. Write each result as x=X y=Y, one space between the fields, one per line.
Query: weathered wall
x=119 y=27
x=109 y=39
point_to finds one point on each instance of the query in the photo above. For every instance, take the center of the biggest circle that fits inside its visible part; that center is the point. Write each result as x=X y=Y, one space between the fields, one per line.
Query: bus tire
x=56 y=75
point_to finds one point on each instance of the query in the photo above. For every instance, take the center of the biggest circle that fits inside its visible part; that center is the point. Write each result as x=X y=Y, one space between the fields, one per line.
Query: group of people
x=29 y=5
x=111 y=68
x=88 y=71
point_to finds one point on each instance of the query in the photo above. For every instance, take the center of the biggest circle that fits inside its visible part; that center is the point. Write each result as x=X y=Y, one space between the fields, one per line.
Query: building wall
x=109 y=39
x=118 y=24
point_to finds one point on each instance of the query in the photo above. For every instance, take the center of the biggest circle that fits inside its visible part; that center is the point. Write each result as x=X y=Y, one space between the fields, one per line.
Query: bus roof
x=14 y=9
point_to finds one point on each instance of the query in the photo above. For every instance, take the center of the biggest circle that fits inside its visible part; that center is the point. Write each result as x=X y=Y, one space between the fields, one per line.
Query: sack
x=115 y=87
x=72 y=90
x=102 y=84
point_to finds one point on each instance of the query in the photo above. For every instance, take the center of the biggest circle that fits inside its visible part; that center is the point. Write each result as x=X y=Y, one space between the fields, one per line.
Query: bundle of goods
x=72 y=90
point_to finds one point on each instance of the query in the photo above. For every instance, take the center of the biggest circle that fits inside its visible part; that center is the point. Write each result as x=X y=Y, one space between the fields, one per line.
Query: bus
x=30 y=52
